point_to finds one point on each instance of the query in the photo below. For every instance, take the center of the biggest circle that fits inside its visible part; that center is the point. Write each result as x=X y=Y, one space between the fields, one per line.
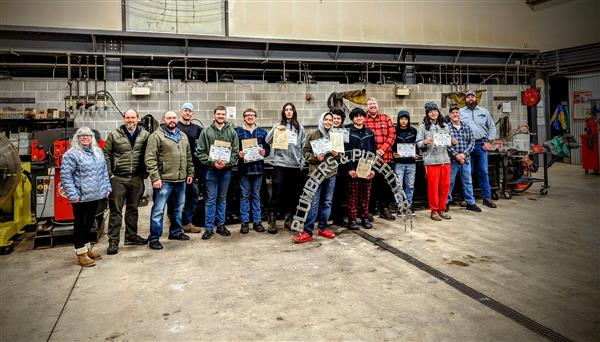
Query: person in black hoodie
x=359 y=189
x=405 y=154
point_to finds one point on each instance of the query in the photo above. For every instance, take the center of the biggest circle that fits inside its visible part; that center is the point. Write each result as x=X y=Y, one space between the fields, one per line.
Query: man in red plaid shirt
x=385 y=135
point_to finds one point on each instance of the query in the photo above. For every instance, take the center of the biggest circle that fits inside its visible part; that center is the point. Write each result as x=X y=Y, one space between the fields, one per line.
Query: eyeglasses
x=84 y=136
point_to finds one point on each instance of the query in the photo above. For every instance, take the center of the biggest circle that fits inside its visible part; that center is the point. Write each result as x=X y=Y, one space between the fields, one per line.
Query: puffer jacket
x=84 y=176
x=121 y=158
x=168 y=156
x=208 y=137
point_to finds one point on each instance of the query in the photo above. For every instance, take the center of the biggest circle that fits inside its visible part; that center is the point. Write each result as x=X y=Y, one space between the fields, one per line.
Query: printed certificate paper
x=281 y=139
x=220 y=150
x=441 y=139
x=321 y=146
x=363 y=168
x=337 y=141
x=252 y=154
x=406 y=150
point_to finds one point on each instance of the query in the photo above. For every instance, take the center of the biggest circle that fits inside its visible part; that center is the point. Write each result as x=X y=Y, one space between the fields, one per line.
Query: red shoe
x=327 y=233
x=302 y=237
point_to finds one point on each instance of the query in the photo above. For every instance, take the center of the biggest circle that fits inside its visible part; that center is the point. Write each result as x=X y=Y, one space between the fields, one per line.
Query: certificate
x=220 y=153
x=441 y=139
x=406 y=150
x=293 y=138
x=337 y=141
x=252 y=154
x=321 y=146
x=281 y=139
x=363 y=169
x=345 y=132
x=247 y=143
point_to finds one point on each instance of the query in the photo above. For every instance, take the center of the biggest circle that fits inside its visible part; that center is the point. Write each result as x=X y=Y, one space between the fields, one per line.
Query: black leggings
x=286 y=185
x=84 y=213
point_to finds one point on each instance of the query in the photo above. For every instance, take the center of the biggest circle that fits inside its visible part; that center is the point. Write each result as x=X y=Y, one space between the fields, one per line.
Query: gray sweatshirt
x=292 y=157
x=432 y=155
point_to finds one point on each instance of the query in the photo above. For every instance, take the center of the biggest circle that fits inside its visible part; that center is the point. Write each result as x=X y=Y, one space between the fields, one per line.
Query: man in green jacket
x=124 y=153
x=169 y=162
x=218 y=147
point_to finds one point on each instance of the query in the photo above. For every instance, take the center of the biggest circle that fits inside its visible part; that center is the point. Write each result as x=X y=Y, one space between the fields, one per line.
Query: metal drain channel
x=469 y=291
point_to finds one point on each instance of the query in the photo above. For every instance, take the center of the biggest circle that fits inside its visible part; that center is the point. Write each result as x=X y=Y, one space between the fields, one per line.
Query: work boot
x=353 y=225
x=113 y=247
x=135 y=240
x=272 y=228
x=366 y=224
x=386 y=214
x=258 y=227
x=489 y=203
x=370 y=217
x=221 y=230
x=190 y=228
x=82 y=257
x=207 y=234
x=92 y=255
x=245 y=228
x=473 y=207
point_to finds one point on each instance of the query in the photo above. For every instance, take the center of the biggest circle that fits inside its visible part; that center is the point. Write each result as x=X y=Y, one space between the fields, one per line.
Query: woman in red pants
x=433 y=138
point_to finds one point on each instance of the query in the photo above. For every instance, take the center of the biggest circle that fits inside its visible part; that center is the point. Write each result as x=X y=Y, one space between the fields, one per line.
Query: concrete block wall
x=266 y=98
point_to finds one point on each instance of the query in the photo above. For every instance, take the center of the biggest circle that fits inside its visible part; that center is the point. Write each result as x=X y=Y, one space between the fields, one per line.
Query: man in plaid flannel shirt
x=385 y=135
x=460 y=158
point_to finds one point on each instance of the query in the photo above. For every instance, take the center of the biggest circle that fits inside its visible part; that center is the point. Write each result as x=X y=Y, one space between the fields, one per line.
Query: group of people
x=179 y=156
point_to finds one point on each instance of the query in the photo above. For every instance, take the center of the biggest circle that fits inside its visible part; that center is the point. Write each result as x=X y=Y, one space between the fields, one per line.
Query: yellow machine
x=15 y=195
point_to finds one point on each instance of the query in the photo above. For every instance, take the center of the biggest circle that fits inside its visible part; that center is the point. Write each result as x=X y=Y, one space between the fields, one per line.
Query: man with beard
x=385 y=134
x=482 y=124
x=192 y=131
x=124 y=153
x=169 y=162
x=218 y=148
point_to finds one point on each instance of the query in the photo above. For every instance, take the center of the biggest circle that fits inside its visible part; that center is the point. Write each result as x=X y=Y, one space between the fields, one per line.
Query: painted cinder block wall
x=266 y=98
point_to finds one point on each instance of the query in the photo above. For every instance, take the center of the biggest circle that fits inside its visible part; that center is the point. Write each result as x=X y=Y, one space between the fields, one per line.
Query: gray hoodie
x=292 y=157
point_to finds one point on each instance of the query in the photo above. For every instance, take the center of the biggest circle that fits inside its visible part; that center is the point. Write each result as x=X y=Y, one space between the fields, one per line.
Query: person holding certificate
x=405 y=154
x=316 y=151
x=433 y=138
x=253 y=150
x=286 y=139
x=217 y=150
x=359 y=188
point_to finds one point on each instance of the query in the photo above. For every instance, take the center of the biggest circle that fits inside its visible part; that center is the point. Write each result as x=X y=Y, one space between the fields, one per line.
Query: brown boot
x=190 y=228
x=92 y=255
x=83 y=259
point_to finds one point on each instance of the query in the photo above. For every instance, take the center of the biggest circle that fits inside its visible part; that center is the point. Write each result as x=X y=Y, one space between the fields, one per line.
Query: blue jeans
x=479 y=158
x=465 y=177
x=405 y=173
x=250 y=190
x=216 y=183
x=191 y=202
x=160 y=197
x=320 y=207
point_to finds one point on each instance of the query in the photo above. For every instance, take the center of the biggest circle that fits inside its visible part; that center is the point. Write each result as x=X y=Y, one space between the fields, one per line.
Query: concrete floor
x=539 y=255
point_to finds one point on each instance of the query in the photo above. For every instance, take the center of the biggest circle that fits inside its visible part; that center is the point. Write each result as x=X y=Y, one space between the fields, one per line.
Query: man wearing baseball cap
x=191 y=190
x=482 y=124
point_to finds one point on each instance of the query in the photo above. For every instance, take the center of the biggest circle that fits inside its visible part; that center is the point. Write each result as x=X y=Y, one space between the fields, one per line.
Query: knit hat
x=355 y=112
x=470 y=92
x=429 y=106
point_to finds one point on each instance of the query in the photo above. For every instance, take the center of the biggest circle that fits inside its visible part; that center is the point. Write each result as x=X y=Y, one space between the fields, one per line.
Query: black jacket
x=362 y=139
x=406 y=135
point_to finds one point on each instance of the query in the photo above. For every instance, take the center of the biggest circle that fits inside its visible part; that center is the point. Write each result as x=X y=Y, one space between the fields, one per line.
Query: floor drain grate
x=469 y=291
